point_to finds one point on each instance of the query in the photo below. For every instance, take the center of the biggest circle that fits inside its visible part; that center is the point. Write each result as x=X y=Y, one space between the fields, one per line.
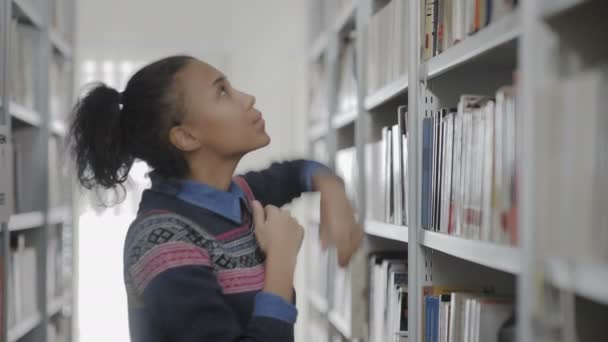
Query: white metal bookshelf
x=524 y=41
x=387 y=230
x=36 y=202
x=386 y=93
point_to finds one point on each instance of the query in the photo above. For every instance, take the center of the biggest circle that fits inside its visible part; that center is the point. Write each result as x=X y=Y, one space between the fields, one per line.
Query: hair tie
x=121 y=97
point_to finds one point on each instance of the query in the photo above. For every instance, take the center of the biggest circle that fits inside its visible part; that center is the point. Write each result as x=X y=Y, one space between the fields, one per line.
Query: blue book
x=434 y=319
x=427 y=150
x=427 y=321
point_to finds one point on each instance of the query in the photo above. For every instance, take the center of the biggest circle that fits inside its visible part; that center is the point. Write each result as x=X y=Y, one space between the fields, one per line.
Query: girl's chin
x=261 y=142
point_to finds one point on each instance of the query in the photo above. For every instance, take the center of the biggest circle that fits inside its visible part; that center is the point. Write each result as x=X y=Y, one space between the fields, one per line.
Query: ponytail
x=99 y=145
x=109 y=130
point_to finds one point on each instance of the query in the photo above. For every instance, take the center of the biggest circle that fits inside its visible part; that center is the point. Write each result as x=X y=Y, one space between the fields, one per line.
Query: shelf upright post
x=527 y=60
x=415 y=250
x=359 y=265
x=5 y=162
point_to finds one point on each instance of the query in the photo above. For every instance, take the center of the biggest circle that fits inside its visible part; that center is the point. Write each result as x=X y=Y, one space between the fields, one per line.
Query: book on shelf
x=387 y=36
x=447 y=22
x=22 y=281
x=387 y=175
x=388 y=297
x=465 y=315
x=24 y=40
x=347 y=81
x=469 y=168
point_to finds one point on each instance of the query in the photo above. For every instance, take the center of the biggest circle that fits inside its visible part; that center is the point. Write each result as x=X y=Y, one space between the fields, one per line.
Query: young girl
x=210 y=257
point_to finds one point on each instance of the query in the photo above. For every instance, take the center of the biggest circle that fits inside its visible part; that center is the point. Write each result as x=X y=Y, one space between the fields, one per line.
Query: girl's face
x=218 y=118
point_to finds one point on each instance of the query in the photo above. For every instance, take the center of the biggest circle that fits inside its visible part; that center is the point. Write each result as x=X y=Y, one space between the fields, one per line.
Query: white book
x=444 y=315
x=488 y=173
x=455 y=196
x=474 y=337
x=402 y=123
x=447 y=174
x=498 y=233
x=397 y=184
x=457 y=316
x=466 y=172
x=389 y=204
x=466 y=332
x=477 y=172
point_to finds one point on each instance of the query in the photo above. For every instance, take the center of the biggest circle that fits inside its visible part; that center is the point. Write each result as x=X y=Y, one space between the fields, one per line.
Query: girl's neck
x=215 y=172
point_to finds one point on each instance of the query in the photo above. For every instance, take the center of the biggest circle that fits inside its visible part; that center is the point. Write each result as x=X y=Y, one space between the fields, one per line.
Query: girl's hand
x=278 y=233
x=338 y=224
x=280 y=237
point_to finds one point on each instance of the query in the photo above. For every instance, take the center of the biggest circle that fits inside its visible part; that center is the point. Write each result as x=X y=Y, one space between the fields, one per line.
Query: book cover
x=427 y=136
x=488 y=173
x=397 y=217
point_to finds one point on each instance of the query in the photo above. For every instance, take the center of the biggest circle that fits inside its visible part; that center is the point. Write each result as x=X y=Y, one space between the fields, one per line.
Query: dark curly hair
x=109 y=129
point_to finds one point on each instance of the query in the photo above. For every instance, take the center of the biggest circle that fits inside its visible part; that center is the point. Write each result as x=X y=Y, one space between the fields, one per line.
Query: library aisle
x=471 y=136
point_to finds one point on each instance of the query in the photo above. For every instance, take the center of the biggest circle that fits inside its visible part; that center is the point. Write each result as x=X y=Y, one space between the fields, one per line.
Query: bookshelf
x=555 y=277
x=36 y=204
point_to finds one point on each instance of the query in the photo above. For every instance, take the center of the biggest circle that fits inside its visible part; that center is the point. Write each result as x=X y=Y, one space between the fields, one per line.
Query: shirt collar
x=224 y=203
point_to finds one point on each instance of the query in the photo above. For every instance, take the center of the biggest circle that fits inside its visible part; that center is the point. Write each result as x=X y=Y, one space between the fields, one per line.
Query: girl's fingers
x=259 y=216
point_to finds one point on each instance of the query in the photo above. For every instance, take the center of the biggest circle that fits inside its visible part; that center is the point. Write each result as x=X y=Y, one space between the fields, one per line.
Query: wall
x=259 y=44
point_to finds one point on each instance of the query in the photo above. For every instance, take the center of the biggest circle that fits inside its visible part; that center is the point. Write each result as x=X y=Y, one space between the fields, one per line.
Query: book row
x=447 y=22
x=469 y=179
x=387 y=39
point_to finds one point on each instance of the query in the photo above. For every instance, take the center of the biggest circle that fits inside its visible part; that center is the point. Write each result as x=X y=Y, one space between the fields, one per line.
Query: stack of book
x=22 y=281
x=573 y=166
x=387 y=37
x=466 y=316
x=23 y=58
x=388 y=308
x=386 y=173
x=469 y=180
x=447 y=22
x=347 y=82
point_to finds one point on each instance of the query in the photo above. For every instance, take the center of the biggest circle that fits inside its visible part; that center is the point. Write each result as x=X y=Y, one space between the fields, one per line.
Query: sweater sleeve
x=282 y=182
x=188 y=302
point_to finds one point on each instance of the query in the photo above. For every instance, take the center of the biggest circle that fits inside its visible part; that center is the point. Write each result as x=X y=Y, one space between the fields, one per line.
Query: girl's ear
x=183 y=140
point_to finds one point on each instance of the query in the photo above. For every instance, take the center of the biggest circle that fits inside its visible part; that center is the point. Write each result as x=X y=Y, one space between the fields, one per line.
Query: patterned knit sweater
x=192 y=266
